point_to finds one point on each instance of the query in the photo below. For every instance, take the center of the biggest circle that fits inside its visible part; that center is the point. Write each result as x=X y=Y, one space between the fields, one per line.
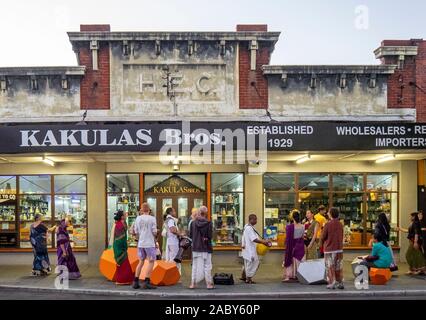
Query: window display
x=29 y=206
x=8 y=230
x=360 y=198
x=123 y=194
x=227 y=208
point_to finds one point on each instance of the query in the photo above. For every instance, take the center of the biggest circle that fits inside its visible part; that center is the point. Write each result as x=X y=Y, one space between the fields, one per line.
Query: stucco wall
x=19 y=101
x=298 y=98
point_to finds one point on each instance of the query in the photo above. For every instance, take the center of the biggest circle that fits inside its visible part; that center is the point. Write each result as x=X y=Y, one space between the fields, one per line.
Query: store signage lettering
x=153 y=137
x=174 y=189
x=88 y=138
x=7 y=197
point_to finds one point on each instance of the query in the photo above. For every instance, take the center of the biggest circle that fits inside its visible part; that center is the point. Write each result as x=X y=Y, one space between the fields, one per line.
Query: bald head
x=203 y=211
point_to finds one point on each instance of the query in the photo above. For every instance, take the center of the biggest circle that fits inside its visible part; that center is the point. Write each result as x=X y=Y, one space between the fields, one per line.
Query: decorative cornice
x=329 y=69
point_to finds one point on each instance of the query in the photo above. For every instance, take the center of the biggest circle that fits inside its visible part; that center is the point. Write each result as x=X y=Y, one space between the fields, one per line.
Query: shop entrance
x=176 y=192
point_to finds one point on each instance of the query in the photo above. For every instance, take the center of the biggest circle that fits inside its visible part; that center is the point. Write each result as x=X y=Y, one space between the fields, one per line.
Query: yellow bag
x=261 y=249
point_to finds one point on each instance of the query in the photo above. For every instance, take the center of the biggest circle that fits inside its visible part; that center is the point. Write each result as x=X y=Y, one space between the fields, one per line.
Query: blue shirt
x=384 y=254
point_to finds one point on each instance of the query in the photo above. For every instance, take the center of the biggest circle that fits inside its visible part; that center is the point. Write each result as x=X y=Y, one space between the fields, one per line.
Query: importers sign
x=216 y=136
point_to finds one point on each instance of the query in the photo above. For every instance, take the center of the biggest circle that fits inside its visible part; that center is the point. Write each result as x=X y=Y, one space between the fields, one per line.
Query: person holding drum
x=250 y=239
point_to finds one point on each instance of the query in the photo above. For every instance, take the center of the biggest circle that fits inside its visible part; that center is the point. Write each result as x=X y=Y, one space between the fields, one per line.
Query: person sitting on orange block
x=380 y=256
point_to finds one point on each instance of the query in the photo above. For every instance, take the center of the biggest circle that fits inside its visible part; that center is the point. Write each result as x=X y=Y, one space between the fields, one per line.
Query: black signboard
x=153 y=137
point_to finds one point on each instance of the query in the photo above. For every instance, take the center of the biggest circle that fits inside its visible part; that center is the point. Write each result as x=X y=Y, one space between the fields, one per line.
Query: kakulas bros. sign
x=151 y=137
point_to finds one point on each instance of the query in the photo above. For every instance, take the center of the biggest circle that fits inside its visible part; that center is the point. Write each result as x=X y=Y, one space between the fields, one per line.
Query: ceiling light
x=303 y=159
x=49 y=162
x=389 y=157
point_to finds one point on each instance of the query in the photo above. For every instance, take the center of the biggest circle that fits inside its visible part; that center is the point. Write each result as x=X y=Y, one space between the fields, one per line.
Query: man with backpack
x=201 y=233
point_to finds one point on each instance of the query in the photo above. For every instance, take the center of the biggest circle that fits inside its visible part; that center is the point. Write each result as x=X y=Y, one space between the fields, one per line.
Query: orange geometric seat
x=164 y=273
x=108 y=266
x=380 y=276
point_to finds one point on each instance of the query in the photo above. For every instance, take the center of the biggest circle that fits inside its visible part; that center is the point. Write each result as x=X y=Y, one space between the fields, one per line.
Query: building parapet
x=329 y=69
x=174 y=36
x=385 y=51
x=42 y=71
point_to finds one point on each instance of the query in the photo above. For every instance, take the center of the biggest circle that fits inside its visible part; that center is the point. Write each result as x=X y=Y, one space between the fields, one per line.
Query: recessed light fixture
x=389 y=157
x=303 y=159
x=49 y=161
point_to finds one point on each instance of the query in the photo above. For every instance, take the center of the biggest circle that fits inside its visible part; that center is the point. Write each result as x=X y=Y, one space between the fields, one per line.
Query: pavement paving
x=17 y=279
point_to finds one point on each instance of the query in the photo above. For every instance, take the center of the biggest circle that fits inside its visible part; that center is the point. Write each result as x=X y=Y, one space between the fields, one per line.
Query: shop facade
x=318 y=136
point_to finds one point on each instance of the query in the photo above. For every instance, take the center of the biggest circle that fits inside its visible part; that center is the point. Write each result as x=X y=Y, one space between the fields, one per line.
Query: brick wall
x=402 y=94
x=253 y=85
x=95 y=85
x=421 y=82
x=95 y=28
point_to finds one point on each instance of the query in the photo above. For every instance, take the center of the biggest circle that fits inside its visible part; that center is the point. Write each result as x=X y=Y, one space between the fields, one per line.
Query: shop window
x=382 y=182
x=30 y=205
x=70 y=184
x=227 y=208
x=312 y=200
x=278 y=206
x=74 y=207
x=348 y=182
x=313 y=182
x=359 y=197
x=352 y=215
x=8 y=206
x=35 y=184
x=123 y=194
x=71 y=201
x=279 y=182
x=123 y=183
x=386 y=203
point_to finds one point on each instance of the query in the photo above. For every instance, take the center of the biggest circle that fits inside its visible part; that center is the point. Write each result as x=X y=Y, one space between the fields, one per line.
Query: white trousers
x=201 y=267
x=251 y=266
x=171 y=252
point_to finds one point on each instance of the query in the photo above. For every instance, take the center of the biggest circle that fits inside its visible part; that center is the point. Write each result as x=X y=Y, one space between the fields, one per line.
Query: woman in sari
x=124 y=274
x=311 y=241
x=414 y=255
x=295 y=247
x=64 y=251
x=38 y=237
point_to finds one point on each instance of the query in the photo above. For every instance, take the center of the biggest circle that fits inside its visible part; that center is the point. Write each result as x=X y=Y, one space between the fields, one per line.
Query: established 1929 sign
x=152 y=137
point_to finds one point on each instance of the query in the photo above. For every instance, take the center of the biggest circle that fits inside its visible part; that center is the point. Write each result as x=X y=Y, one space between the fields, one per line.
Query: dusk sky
x=33 y=33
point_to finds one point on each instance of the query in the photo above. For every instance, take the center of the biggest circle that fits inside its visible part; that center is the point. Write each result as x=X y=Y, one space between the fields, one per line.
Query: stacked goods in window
x=8 y=234
x=226 y=219
x=129 y=204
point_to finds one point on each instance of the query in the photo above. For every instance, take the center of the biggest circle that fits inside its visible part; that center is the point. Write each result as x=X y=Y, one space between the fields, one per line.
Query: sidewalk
x=268 y=286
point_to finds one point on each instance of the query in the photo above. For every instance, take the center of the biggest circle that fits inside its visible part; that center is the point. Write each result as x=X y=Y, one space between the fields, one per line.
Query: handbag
x=223 y=279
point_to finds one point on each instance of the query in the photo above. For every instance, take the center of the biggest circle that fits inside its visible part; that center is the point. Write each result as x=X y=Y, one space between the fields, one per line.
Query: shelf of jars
x=227 y=219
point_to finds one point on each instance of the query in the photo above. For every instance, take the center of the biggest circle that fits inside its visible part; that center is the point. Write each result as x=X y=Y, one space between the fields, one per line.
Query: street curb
x=225 y=295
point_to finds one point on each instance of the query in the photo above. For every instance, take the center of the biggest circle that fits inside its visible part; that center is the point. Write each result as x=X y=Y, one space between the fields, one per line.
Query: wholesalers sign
x=185 y=136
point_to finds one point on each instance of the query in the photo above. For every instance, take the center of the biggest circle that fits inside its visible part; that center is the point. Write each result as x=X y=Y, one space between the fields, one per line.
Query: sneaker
x=340 y=286
x=393 y=268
